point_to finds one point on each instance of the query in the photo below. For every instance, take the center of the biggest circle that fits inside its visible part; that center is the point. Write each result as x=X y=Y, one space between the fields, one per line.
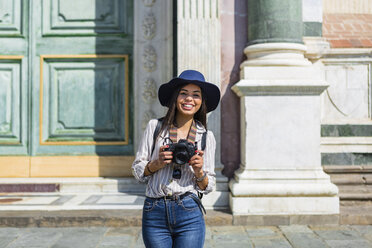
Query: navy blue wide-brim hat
x=211 y=92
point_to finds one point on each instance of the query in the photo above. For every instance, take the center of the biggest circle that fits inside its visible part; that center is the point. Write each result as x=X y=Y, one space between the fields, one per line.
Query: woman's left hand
x=197 y=163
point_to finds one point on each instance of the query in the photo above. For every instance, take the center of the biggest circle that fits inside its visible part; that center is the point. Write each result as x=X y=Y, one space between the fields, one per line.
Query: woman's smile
x=187 y=106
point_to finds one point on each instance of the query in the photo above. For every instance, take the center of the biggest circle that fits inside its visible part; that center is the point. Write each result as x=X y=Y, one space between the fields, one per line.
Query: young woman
x=172 y=212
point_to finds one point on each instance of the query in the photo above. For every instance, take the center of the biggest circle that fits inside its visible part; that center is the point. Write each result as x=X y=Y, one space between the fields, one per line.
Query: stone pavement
x=296 y=236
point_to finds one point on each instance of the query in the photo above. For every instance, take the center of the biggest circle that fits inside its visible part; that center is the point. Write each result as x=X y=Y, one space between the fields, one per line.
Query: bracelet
x=201 y=178
x=148 y=168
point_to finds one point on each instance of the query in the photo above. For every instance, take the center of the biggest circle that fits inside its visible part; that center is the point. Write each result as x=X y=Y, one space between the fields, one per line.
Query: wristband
x=201 y=178
x=148 y=168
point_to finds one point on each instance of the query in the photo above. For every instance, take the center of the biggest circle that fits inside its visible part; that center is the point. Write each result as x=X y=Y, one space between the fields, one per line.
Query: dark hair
x=170 y=117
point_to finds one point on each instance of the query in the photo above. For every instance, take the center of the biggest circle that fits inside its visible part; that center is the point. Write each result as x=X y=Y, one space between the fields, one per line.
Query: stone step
x=331 y=169
x=71 y=185
x=354 y=182
x=356 y=212
x=79 y=193
x=355 y=192
x=351 y=178
x=89 y=218
x=351 y=214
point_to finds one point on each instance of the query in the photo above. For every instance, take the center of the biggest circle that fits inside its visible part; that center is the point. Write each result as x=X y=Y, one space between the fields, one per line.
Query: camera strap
x=192 y=132
x=156 y=133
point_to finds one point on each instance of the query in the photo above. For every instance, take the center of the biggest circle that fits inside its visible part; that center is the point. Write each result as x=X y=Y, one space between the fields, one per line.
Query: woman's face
x=189 y=100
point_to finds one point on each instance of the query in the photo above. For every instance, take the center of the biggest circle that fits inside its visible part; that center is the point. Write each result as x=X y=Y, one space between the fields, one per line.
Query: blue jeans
x=172 y=223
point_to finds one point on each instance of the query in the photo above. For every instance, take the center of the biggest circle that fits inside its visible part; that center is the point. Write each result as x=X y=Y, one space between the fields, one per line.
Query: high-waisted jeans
x=172 y=223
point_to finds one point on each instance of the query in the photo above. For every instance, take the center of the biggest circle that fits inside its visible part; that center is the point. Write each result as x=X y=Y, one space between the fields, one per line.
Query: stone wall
x=233 y=40
x=348 y=25
x=347 y=6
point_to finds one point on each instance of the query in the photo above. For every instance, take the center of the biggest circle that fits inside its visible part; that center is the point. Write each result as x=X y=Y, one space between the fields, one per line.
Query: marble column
x=280 y=172
x=199 y=48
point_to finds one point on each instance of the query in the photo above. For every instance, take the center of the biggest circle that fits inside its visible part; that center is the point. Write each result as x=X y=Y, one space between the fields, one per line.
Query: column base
x=284 y=205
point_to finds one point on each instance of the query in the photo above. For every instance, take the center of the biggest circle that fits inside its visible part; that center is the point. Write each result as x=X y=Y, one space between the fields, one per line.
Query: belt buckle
x=171 y=197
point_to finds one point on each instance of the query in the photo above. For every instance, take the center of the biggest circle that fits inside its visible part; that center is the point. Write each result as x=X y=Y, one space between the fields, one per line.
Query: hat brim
x=210 y=91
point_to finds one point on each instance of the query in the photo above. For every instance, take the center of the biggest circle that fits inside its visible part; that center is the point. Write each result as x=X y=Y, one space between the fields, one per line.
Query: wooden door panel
x=84 y=101
x=13 y=77
x=10 y=18
x=10 y=99
x=87 y=17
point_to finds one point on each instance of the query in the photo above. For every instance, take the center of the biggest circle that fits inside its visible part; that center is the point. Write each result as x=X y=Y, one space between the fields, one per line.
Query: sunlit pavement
x=217 y=236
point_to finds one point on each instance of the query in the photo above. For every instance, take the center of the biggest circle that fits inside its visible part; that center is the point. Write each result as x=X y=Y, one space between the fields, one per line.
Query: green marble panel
x=346 y=158
x=346 y=130
x=274 y=21
x=312 y=29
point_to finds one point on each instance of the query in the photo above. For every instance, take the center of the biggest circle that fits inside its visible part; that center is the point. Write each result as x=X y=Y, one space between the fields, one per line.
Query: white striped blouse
x=161 y=182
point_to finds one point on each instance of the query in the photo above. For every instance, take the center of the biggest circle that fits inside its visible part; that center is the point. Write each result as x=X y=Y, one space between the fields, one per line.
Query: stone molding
x=279 y=87
x=272 y=54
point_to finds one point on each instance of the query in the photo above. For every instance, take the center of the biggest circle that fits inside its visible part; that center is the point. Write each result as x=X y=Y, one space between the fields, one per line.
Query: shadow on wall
x=233 y=42
x=112 y=86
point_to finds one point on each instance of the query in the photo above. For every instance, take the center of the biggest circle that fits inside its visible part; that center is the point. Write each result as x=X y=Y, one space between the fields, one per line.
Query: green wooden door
x=70 y=92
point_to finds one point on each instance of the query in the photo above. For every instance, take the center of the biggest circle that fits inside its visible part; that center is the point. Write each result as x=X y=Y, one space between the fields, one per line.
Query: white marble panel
x=348 y=96
x=275 y=125
x=312 y=11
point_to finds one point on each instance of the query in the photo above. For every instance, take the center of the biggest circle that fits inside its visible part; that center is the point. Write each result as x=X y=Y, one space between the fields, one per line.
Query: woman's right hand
x=165 y=157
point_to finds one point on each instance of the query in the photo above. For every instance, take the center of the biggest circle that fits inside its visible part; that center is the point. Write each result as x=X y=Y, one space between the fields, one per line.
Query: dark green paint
x=274 y=21
x=346 y=131
x=36 y=37
x=346 y=158
x=312 y=29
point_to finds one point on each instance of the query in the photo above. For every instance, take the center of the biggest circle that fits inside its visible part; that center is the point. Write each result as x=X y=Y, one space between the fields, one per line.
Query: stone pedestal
x=280 y=172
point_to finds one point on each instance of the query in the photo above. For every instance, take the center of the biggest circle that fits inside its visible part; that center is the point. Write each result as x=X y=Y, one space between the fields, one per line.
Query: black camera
x=182 y=151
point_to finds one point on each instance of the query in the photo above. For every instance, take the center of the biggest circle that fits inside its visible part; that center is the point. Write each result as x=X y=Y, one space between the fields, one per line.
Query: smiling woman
x=172 y=213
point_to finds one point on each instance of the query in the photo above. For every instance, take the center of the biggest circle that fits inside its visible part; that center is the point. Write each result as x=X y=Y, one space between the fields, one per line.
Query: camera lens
x=181 y=158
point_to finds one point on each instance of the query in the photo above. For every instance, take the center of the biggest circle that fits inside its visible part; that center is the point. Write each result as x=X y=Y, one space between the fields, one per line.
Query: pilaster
x=199 y=48
x=152 y=59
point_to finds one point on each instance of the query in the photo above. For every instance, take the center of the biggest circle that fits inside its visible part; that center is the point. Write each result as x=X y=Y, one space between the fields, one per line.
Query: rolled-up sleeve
x=143 y=155
x=208 y=166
